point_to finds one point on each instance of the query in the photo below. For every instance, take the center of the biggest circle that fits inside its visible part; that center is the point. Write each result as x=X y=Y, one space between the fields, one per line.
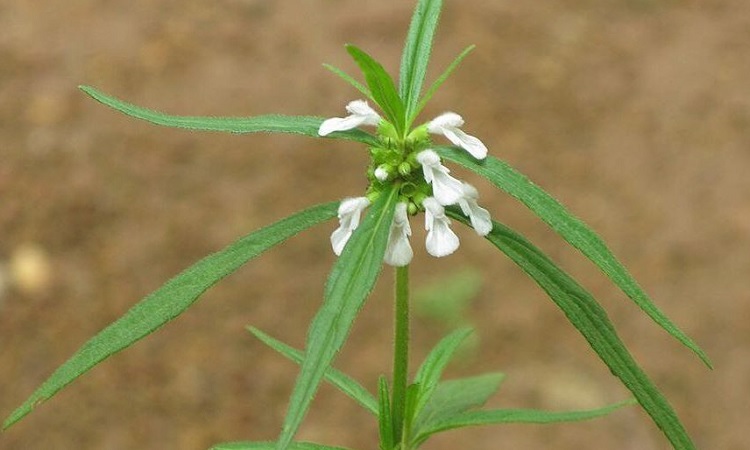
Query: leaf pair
x=436 y=406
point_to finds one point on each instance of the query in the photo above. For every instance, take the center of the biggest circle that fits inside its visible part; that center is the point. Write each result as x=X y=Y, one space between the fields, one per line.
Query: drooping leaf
x=272 y=446
x=505 y=416
x=417 y=50
x=303 y=125
x=572 y=229
x=340 y=380
x=583 y=311
x=429 y=373
x=381 y=86
x=456 y=396
x=439 y=81
x=349 y=79
x=350 y=282
x=170 y=300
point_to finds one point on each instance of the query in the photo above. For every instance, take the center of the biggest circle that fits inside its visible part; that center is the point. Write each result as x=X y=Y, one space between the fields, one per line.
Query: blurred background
x=633 y=113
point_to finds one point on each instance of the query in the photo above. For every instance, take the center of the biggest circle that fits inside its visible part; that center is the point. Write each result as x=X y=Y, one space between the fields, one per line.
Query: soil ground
x=635 y=114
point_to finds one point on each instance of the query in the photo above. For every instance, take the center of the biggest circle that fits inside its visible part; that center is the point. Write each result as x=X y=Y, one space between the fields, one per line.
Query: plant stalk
x=400 y=352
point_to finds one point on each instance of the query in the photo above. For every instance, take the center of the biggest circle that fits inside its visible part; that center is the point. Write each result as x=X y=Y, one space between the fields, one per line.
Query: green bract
x=406 y=177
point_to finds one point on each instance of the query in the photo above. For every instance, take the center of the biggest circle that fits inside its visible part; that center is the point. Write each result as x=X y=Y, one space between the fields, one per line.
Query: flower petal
x=349 y=212
x=448 y=119
x=360 y=113
x=441 y=240
x=446 y=189
x=398 y=253
x=471 y=144
x=448 y=124
x=480 y=217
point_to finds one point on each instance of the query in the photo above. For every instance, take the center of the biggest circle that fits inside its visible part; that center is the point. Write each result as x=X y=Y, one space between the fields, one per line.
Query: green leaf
x=349 y=79
x=350 y=282
x=272 y=446
x=416 y=54
x=439 y=82
x=429 y=373
x=385 y=419
x=304 y=125
x=572 y=229
x=454 y=397
x=341 y=381
x=583 y=311
x=170 y=300
x=382 y=88
x=504 y=416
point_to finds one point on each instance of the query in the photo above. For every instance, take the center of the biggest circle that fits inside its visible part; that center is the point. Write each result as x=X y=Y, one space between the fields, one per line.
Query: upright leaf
x=349 y=79
x=572 y=230
x=381 y=86
x=429 y=373
x=583 y=311
x=340 y=380
x=350 y=282
x=169 y=301
x=417 y=49
x=439 y=82
x=304 y=125
x=385 y=420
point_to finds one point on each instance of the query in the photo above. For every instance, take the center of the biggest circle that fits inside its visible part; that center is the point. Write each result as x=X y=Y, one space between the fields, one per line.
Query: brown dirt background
x=635 y=114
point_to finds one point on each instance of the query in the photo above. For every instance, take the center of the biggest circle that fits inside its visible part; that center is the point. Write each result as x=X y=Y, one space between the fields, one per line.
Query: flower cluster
x=431 y=189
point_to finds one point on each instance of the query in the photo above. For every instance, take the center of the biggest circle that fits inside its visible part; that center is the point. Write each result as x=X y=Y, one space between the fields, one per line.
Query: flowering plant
x=406 y=178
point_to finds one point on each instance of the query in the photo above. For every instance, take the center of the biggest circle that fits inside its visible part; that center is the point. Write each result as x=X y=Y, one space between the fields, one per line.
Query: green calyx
x=393 y=161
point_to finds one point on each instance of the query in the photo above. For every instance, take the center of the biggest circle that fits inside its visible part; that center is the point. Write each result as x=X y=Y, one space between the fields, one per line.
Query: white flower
x=448 y=125
x=350 y=211
x=480 y=217
x=446 y=189
x=381 y=173
x=360 y=113
x=441 y=240
x=398 y=252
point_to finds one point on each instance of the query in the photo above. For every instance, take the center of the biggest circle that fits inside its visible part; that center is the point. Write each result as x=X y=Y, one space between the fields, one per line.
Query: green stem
x=400 y=352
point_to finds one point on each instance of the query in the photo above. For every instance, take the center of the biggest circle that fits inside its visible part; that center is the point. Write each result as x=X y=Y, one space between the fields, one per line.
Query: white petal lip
x=448 y=124
x=398 y=253
x=446 y=189
x=360 y=113
x=441 y=240
x=349 y=214
x=480 y=217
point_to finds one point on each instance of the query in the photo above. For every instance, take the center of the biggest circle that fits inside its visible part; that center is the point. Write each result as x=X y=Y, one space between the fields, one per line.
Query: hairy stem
x=400 y=351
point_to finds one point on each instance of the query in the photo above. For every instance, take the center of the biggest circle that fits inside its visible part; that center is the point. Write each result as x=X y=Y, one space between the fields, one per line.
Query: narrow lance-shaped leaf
x=272 y=446
x=381 y=86
x=302 y=125
x=440 y=80
x=453 y=397
x=417 y=50
x=350 y=282
x=583 y=311
x=429 y=373
x=169 y=301
x=506 y=416
x=349 y=79
x=572 y=229
x=340 y=380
